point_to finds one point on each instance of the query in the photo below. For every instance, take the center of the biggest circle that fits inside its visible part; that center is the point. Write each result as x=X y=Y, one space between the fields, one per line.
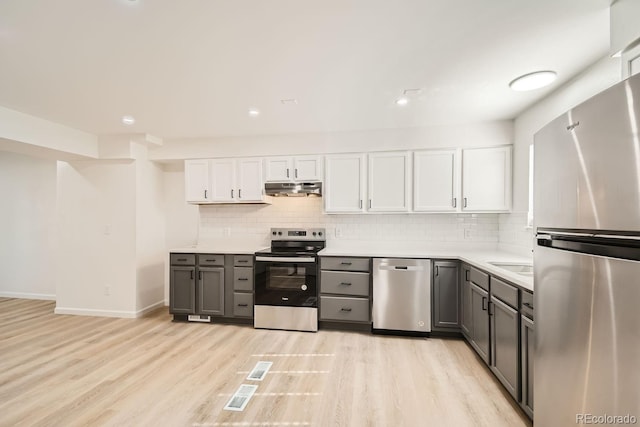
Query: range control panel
x=298 y=234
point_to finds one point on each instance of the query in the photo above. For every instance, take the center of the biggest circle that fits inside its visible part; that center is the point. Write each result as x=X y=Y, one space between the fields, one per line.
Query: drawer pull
x=243 y=305
x=346 y=283
x=347 y=309
x=243 y=279
x=243 y=260
x=182 y=259
x=211 y=260
x=346 y=263
x=526 y=304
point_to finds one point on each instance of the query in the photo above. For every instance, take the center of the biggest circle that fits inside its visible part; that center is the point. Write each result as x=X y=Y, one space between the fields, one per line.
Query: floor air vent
x=258 y=373
x=240 y=398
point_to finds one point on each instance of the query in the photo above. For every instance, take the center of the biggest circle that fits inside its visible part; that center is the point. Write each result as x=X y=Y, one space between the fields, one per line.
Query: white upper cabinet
x=249 y=180
x=344 y=185
x=435 y=181
x=486 y=179
x=197 y=181
x=224 y=181
x=293 y=169
x=389 y=182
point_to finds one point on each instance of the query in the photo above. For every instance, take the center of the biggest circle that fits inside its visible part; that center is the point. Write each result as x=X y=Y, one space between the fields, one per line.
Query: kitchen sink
x=521 y=269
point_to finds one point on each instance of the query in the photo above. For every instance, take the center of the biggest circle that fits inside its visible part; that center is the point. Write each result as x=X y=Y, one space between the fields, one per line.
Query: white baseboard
x=149 y=308
x=25 y=295
x=108 y=313
x=92 y=312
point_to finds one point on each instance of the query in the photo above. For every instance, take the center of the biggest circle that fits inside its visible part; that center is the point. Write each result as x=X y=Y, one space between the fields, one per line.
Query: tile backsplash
x=254 y=221
x=514 y=233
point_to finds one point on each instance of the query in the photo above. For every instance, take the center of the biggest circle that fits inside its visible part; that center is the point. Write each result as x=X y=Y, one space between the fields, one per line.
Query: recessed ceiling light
x=533 y=81
x=254 y=112
x=402 y=101
x=290 y=101
x=128 y=120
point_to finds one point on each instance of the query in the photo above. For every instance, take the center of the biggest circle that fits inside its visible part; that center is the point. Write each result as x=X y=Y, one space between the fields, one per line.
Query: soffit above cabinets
x=187 y=69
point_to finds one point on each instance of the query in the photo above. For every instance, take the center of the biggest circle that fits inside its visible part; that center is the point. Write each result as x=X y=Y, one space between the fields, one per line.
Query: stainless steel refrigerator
x=587 y=262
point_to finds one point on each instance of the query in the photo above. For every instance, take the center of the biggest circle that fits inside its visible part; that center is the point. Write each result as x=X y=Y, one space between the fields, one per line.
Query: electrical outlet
x=467 y=233
x=107 y=290
x=338 y=232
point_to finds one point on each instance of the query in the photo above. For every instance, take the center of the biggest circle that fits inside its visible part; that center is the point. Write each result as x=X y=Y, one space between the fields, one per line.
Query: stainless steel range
x=286 y=290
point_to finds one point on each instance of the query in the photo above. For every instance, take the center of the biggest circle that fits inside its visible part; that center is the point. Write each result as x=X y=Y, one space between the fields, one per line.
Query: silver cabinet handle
x=232 y=193
x=347 y=309
x=296 y=170
x=287 y=172
x=345 y=284
x=243 y=279
x=243 y=305
x=437 y=270
x=455 y=202
x=465 y=202
x=369 y=203
x=360 y=203
x=199 y=275
x=191 y=274
x=205 y=194
x=240 y=193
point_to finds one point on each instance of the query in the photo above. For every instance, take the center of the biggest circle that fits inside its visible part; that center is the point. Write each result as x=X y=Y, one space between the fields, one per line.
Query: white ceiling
x=193 y=68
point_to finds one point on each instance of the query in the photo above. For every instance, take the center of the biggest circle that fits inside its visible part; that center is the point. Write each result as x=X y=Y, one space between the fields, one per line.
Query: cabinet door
x=211 y=291
x=434 y=181
x=486 y=179
x=307 y=168
x=249 y=180
x=526 y=377
x=480 y=315
x=223 y=180
x=344 y=187
x=197 y=182
x=388 y=182
x=446 y=295
x=278 y=169
x=505 y=345
x=467 y=313
x=182 y=290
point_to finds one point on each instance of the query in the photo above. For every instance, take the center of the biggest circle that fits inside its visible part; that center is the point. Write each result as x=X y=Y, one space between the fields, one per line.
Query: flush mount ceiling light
x=402 y=101
x=412 y=92
x=533 y=81
x=128 y=120
x=254 y=112
x=289 y=101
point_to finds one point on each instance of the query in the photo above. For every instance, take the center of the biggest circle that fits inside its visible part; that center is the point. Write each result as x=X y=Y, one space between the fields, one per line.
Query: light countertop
x=477 y=256
x=225 y=246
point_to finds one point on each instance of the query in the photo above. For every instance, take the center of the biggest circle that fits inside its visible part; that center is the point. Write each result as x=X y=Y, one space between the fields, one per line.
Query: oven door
x=286 y=281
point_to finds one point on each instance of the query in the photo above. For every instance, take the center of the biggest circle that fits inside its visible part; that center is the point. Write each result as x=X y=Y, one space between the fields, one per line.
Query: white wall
x=463 y=135
x=149 y=232
x=27 y=226
x=97 y=238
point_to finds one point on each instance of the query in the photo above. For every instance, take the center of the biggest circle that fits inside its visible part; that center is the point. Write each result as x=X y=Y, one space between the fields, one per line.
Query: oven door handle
x=285 y=259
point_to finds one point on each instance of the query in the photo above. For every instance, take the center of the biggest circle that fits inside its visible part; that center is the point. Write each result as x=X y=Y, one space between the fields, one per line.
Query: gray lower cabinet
x=527 y=328
x=345 y=289
x=182 y=290
x=214 y=285
x=480 y=321
x=446 y=296
x=210 y=291
x=466 y=321
x=505 y=345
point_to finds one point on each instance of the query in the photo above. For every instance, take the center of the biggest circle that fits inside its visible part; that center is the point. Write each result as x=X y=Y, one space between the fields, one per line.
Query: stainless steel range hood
x=291 y=189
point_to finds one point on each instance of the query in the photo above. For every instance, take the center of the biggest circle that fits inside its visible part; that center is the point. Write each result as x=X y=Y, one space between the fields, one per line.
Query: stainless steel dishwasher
x=402 y=294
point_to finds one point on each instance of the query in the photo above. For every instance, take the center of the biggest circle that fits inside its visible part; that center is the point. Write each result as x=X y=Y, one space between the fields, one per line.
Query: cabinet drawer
x=526 y=306
x=346 y=264
x=183 y=259
x=347 y=309
x=346 y=283
x=211 y=260
x=479 y=278
x=504 y=291
x=242 y=279
x=243 y=260
x=242 y=304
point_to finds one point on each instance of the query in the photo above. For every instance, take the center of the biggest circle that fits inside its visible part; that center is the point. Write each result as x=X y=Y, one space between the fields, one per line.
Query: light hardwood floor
x=58 y=370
